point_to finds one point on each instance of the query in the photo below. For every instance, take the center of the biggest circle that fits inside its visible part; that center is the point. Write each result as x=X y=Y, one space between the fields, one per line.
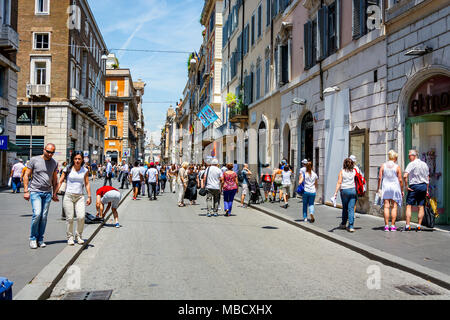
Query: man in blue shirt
x=245 y=173
x=108 y=171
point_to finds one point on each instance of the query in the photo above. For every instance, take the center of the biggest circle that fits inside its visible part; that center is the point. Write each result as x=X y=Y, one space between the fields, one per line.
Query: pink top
x=229 y=180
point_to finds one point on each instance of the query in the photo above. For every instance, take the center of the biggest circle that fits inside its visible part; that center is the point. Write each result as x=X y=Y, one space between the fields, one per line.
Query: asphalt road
x=166 y=252
x=18 y=262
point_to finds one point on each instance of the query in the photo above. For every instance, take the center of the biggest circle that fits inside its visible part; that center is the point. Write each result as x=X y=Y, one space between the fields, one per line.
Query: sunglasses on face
x=50 y=152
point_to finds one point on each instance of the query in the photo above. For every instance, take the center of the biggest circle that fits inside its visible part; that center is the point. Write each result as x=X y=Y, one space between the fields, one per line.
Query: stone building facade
x=418 y=90
x=9 y=46
x=61 y=79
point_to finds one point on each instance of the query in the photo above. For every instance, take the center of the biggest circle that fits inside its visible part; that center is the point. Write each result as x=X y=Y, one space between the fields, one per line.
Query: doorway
x=307 y=138
x=262 y=135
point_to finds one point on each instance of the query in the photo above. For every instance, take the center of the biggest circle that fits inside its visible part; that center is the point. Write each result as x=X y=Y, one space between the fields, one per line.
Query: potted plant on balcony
x=230 y=100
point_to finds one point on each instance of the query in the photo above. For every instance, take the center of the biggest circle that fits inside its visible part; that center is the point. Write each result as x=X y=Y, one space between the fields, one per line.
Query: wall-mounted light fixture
x=419 y=51
x=299 y=101
x=332 y=89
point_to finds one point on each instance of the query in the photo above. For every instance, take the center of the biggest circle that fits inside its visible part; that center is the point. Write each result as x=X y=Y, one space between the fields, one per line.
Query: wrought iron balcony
x=238 y=114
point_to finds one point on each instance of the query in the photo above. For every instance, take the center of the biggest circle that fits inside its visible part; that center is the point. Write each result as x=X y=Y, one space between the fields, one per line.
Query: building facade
x=61 y=83
x=140 y=91
x=418 y=90
x=9 y=46
x=122 y=114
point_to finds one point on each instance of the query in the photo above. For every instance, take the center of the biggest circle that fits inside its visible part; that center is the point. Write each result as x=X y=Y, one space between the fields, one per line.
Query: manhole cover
x=89 y=295
x=418 y=290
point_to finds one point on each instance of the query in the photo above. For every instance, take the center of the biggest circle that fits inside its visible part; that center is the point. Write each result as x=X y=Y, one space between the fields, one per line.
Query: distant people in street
x=182 y=183
x=235 y=167
x=192 y=185
x=152 y=178
x=158 y=167
x=136 y=179
x=266 y=178
x=144 y=182
x=230 y=188
x=245 y=182
x=44 y=170
x=111 y=197
x=77 y=178
x=163 y=179
x=391 y=183
x=63 y=166
x=309 y=196
x=94 y=169
x=108 y=172
x=304 y=163
x=172 y=178
x=346 y=184
x=124 y=172
x=417 y=178
x=286 y=184
x=224 y=168
x=16 y=176
x=277 y=179
x=212 y=181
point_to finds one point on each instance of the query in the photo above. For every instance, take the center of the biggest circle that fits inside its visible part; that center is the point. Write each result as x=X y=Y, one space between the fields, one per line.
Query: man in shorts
x=246 y=173
x=417 y=178
x=266 y=178
x=110 y=196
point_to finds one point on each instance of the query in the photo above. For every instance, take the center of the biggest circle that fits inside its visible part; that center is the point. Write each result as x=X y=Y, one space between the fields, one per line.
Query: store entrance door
x=430 y=136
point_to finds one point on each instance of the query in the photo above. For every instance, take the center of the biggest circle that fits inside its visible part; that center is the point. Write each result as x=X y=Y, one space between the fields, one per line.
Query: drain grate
x=89 y=295
x=419 y=290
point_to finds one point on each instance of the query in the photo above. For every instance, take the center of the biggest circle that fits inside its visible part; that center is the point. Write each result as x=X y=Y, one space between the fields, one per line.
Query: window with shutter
x=314 y=52
x=252 y=89
x=258 y=82
x=239 y=47
x=322 y=19
x=332 y=28
x=307 y=38
x=284 y=65
x=259 y=21
x=253 y=29
x=268 y=16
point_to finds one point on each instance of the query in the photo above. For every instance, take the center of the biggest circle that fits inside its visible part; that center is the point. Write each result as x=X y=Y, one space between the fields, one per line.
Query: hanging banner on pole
x=209 y=113
x=203 y=119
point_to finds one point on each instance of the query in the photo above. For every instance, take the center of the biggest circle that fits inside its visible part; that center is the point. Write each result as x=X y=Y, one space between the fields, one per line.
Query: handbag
x=429 y=218
x=62 y=189
x=10 y=182
x=203 y=191
x=301 y=186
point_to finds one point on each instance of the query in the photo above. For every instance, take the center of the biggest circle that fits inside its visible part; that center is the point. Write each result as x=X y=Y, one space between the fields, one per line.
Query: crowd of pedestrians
x=42 y=181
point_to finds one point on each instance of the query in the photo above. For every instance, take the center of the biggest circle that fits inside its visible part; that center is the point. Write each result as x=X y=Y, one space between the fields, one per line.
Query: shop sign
x=3 y=142
x=431 y=96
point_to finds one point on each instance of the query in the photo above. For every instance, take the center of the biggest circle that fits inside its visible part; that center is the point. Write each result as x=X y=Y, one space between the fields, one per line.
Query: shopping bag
x=10 y=182
x=429 y=218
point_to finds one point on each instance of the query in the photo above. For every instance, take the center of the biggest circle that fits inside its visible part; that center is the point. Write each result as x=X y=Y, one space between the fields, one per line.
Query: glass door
x=428 y=136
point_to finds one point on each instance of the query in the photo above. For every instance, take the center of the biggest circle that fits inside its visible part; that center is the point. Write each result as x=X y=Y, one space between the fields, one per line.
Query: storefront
x=428 y=131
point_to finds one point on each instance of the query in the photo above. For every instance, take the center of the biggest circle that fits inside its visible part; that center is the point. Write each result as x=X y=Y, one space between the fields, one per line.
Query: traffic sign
x=3 y=142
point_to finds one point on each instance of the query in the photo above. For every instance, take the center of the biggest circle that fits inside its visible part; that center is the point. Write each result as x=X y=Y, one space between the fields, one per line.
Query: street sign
x=86 y=153
x=95 y=152
x=3 y=142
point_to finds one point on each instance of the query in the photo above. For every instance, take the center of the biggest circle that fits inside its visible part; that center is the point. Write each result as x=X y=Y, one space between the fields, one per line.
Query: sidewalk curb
x=390 y=260
x=42 y=285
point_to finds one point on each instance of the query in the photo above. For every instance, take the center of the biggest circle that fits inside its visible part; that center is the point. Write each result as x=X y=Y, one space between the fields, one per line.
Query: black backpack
x=240 y=176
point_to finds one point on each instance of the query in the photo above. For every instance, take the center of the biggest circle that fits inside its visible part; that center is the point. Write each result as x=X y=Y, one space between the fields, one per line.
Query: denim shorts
x=418 y=195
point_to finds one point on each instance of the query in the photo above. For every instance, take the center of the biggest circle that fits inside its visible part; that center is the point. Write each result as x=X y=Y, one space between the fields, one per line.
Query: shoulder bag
x=203 y=191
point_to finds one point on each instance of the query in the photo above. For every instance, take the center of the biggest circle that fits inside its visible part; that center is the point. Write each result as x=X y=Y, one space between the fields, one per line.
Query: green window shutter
x=307 y=32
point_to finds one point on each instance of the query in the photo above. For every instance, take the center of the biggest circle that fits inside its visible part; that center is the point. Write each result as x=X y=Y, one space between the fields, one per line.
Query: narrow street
x=165 y=252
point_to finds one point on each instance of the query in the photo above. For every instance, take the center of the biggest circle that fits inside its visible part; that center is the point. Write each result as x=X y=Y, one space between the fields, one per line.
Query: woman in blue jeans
x=346 y=183
x=310 y=178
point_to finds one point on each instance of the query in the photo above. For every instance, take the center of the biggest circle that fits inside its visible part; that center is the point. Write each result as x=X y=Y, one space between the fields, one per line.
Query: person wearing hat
x=16 y=176
x=213 y=182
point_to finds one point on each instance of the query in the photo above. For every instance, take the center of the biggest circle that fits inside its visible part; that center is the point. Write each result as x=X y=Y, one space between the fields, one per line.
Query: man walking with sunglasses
x=41 y=191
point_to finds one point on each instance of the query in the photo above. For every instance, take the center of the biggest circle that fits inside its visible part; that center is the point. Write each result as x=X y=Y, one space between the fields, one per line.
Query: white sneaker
x=79 y=239
x=305 y=220
x=33 y=244
x=42 y=244
x=70 y=241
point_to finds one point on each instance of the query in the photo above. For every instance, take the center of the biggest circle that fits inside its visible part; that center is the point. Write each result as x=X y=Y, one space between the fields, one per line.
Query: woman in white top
x=286 y=175
x=310 y=178
x=77 y=179
x=391 y=183
x=346 y=183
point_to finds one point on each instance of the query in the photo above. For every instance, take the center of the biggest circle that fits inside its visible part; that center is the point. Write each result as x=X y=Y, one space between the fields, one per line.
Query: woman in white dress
x=391 y=183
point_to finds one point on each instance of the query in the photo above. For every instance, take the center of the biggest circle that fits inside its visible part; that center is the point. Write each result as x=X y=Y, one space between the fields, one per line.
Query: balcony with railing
x=75 y=97
x=9 y=38
x=116 y=93
x=38 y=90
x=238 y=113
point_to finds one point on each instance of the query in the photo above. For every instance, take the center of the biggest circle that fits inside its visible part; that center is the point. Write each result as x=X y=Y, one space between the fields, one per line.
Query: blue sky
x=154 y=25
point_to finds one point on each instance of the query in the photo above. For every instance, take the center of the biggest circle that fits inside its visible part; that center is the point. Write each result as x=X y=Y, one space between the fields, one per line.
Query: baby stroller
x=255 y=192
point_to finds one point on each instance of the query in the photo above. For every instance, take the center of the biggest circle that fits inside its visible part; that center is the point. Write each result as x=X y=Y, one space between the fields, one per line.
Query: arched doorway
x=287 y=143
x=427 y=130
x=307 y=140
x=262 y=146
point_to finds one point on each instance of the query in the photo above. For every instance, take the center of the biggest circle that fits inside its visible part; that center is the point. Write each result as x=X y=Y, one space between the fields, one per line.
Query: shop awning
x=13 y=148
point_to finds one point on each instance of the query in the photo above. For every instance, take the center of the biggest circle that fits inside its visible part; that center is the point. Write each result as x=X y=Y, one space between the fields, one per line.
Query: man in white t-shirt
x=152 y=179
x=16 y=176
x=136 y=179
x=214 y=187
x=417 y=178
